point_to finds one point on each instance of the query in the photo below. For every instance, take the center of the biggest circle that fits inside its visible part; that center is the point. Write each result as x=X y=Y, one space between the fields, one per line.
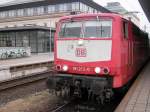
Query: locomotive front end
x=83 y=51
x=84 y=46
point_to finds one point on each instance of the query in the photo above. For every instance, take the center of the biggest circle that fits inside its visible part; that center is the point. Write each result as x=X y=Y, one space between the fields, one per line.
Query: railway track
x=59 y=108
x=22 y=87
x=78 y=105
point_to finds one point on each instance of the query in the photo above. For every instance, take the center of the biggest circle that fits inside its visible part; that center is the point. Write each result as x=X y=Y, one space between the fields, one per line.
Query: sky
x=4 y=1
x=130 y=5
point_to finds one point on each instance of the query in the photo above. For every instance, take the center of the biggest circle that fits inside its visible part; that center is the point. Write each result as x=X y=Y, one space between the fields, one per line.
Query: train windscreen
x=86 y=29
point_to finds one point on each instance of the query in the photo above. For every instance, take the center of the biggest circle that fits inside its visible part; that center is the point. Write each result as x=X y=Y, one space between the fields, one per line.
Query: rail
x=61 y=107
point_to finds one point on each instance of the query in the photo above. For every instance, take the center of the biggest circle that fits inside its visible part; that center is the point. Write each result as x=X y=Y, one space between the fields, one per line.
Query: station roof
x=24 y=28
x=146 y=7
x=19 y=4
x=15 y=2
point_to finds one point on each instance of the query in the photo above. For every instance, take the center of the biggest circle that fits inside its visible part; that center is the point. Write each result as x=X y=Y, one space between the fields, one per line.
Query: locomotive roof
x=98 y=14
x=90 y=15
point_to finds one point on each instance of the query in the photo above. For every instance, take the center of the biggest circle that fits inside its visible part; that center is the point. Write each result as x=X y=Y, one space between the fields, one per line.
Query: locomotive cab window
x=86 y=29
x=125 y=29
x=71 y=29
x=100 y=29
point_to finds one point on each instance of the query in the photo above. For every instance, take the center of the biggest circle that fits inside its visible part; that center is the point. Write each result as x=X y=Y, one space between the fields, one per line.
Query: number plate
x=81 y=69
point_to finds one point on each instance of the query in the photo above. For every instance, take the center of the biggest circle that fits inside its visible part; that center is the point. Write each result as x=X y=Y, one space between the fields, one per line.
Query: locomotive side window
x=102 y=28
x=125 y=29
x=71 y=29
x=136 y=31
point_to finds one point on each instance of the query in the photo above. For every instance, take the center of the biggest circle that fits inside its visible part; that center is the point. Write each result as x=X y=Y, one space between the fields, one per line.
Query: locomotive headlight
x=97 y=70
x=65 y=68
x=80 y=42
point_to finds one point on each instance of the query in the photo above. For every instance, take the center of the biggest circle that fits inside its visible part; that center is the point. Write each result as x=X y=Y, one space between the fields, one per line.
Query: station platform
x=24 y=67
x=137 y=98
x=33 y=59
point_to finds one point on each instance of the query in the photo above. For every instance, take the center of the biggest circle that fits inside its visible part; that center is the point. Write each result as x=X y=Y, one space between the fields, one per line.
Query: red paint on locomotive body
x=120 y=55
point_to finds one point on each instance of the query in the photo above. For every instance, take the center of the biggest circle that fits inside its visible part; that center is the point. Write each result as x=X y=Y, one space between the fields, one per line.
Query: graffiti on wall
x=13 y=52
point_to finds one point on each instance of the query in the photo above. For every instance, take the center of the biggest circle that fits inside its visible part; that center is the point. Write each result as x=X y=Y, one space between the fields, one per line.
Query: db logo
x=80 y=52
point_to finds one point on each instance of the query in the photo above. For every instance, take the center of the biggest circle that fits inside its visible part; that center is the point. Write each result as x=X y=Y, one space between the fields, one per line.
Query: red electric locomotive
x=96 y=53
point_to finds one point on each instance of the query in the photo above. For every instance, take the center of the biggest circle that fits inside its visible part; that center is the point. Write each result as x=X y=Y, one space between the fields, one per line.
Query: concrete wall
x=7 y=74
x=48 y=20
x=4 y=74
